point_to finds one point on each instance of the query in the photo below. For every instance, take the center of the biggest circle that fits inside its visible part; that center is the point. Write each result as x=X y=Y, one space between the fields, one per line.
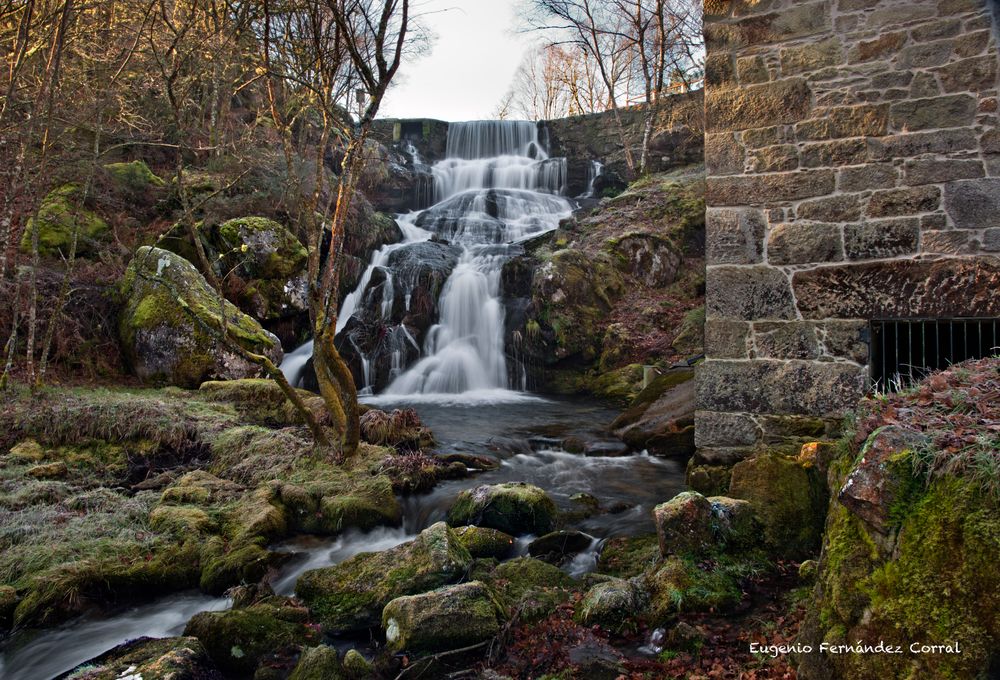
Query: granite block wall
x=853 y=157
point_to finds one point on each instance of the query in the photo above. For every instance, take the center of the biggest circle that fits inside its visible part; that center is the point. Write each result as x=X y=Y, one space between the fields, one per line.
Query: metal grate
x=905 y=350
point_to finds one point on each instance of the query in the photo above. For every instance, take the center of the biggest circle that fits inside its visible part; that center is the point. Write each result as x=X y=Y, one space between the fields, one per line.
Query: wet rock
x=628 y=556
x=556 y=546
x=532 y=587
x=238 y=640
x=447 y=618
x=164 y=327
x=605 y=448
x=684 y=524
x=875 y=483
x=469 y=460
x=318 y=663
x=485 y=542
x=351 y=595
x=660 y=419
x=612 y=605
x=684 y=636
x=681 y=584
x=596 y=660
x=513 y=507
x=172 y=658
x=789 y=501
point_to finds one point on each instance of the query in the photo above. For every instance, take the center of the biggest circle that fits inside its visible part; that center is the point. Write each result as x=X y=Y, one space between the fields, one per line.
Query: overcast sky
x=470 y=66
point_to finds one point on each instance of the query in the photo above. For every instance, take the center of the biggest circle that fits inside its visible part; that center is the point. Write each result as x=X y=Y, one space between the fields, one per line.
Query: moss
x=181 y=521
x=261 y=248
x=261 y=401
x=356 y=666
x=690 y=338
x=318 y=663
x=48 y=470
x=484 y=542
x=248 y=563
x=239 y=639
x=446 y=618
x=612 y=605
x=28 y=451
x=59 y=215
x=135 y=175
x=682 y=584
x=627 y=556
x=531 y=587
x=8 y=603
x=151 y=659
x=351 y=595
x=512 y=507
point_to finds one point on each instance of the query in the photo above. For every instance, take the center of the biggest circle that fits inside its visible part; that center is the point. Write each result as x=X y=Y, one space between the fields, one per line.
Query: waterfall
x=497 y=186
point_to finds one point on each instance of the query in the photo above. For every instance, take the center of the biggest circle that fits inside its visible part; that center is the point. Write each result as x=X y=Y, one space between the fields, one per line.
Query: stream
x=495 y=188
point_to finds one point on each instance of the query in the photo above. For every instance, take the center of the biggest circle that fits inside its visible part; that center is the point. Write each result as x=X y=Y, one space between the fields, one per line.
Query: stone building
x=853 y=160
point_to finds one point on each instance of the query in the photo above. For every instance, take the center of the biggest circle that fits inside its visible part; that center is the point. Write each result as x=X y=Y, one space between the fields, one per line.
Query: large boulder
x=531 y=587
x=613 y=605
x=239 y=639
x=171 y=325
x=660 y=419
x=261 y=248
x=61 y=214
x=512 y=507
x=351 y=595
x=447 y=618
x=789 y=500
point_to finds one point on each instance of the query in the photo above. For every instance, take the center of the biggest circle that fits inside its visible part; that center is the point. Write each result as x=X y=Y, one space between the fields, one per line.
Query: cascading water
x=496 y=187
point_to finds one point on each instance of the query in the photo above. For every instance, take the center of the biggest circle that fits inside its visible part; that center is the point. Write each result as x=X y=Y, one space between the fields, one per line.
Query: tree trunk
x=336 y=385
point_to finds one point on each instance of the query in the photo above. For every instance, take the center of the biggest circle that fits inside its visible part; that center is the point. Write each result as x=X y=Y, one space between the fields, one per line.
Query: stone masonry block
x=866 y=120
x=752 y=106
x=768 y=188
x=785 y=340
x=882 y=238
x=905 y=201
x=973 y=204
x=804 y=242
x=734 y=236
x=715 y=429
x=949 y=111
x=748 y=293
x=726 y=339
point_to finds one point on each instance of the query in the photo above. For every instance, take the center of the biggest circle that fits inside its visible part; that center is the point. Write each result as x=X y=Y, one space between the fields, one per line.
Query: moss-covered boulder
x=485 y=542
x=261 y=248
x=60 y=216
x=531 y=587
x=684 y=524
x=789 y=500
x=172 y=658
x=134 y=176
x=171 y=325
x=357 y=667
x=735 y=522
x=446 y=618
x=627 y=556
x=319 y=663
x=351 y=595
x=613 y=605
x=512 y=507
x=239 y=639
x=682 y=584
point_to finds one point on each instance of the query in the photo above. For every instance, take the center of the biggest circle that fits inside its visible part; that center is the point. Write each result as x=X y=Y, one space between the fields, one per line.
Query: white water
x=497 y=186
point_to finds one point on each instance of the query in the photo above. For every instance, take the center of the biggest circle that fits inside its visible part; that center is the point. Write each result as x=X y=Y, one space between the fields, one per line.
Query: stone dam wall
x=853 y=160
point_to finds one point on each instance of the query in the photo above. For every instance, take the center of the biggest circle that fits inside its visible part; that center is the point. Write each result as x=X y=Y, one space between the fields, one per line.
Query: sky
x=470 y=66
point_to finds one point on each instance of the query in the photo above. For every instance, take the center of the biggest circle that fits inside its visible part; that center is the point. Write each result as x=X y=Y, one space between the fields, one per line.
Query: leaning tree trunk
x=336 y=386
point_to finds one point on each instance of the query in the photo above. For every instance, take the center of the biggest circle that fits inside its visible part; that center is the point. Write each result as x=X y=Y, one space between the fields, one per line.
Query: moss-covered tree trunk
x=336 y=385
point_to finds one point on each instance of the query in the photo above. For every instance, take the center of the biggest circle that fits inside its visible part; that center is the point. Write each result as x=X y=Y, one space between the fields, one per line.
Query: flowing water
x=496 y=187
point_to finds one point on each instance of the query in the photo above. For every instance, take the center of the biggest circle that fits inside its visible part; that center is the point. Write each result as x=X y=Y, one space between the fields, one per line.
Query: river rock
x=171 y=321
x=447 y=618
x=357 y=666
x=660 y=419
x=556 y=546
x=173 y=658
x=532 y=587
x=351 y=595
x=239 y=639
x=319 y=663
x=684 y=524
x=735 y=521
x=485 y=542
x=513 y=507
x=614 y=605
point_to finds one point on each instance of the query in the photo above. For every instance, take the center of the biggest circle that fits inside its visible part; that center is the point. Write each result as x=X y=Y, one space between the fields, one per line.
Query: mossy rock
x=485 y=542
x=708 y=480
x=319 y=663
x=58 y=217
x=936 y=582
x=239 y=639
x=135 y=176
x=351 y=595
x=172 y=658
x=684 y=524
x=247 y=563
x=171 y=325
x=681 y=584
x=8 y=603
x=628 y=556
x=357 y=667
x=613 y=605
x=789 y=501
x=261 y=248
x=513 y=507
x=27 y=451
x=531 y=587
x=443 y=619
x=48 y=470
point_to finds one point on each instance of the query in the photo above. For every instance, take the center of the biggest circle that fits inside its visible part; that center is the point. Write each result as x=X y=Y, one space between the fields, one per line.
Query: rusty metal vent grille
x=904 y=351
